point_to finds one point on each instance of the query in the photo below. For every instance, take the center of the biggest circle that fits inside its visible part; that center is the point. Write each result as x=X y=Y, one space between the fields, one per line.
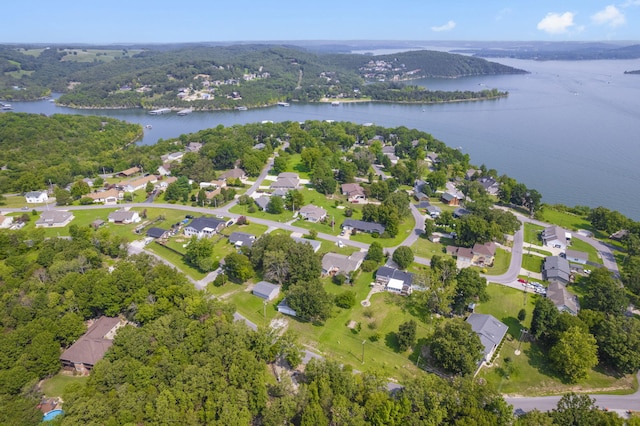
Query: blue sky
x=160 y=21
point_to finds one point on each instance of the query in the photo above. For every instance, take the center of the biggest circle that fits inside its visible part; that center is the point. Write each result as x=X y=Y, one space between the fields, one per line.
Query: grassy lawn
x=102 y=55
x=55 y=385
x=580 y=245
x=17 y=201
x=295 y=165
x=251 y=228
x=529 y=373
x=535 y=250
x=532 y=263
x=500 y=264
x=175 y=259
x=532 y=234
x=285 y=216
x=404 y=230
x=425 y=248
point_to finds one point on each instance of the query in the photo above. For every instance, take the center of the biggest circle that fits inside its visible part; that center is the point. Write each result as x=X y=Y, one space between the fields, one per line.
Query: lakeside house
x=556 y=237
x=555 y=268
x=54 y=219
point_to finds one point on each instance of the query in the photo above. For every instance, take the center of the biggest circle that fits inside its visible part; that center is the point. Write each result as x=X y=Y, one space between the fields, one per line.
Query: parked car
x=523 y=281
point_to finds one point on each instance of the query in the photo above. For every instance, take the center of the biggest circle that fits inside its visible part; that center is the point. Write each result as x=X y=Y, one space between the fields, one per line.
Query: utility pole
x=363 y=342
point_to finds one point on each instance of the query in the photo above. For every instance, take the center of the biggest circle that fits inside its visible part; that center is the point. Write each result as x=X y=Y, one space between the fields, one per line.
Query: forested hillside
x=220 y=77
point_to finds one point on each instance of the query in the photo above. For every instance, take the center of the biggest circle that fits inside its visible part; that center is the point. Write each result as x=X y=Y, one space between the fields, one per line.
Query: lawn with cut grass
x=529 y=373
x=283 y=217
x=54 y=386
x=567 y=220
x=501 y=263
x=294 y=164
x=427 y=249
x=176 y=260
x=532 y=262
x=536 y=250
x=532 y=234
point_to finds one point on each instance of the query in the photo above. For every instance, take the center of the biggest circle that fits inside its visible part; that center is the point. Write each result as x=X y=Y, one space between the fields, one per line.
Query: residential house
x=204 y=227
x=555 y=236
x=362 y=226
x=97 y=224
x=459 y=212
x=5 y=221
x=262 y=202
x=92 y=345
x=54 y=219
x=464 y=256
x=287 y=181
x=484 y=254
x=36 y=197
x=562 y=299
x=432 y=157
x=137 y=184
x=471 y=173
x=434 y=211
x=313 y=213
x=354 y=192
x=233 y=174
x=577 y=256
x=423 y=205
x=193 y=147
x=555 y=268
x=284 y=308
x=242 y=239
x=129 y=172
x=394 y=280
x=157 y=233
x=315 y=244
x=165 y=182
x=334 y=263
x=108 y=197
x=490 y=185
x=213 y=184
x=165 y=169
x=266 y=291
x=619 y=235
x=390 y=152
x=124 y=217
x=174 y=156
x=491 y=332
x=450 y=199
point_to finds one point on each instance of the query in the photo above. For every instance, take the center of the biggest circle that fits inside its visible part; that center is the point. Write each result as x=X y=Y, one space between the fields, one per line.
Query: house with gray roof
x=54 y=219
x=315 y=244
x=92 y=345
x=434 y=211
x=562 y=299
x=287 y=181
x=242 y=239
x=555 y=268
x=394 y=280
x=284 y=308
x=490 y=185
x=555 y=236
x=334 y=263
x=266 y=290
x=362 y=226
x=353 y=191
x=36 y=197
x=577 y=256
x=157 y=233
x=124 y=216
x=236 y=173
x=491 y=332
x=262 y=202
x=312 y=213
x=204 y=227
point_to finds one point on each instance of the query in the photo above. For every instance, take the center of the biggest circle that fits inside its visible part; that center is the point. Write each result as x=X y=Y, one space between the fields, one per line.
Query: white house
x=124 y=216
x=36 y=197
x=203 y=227
x=313 y=213
x=285 y=309
x=577 y=256
x=108 y=197
x=5 y=221
x=555 y=236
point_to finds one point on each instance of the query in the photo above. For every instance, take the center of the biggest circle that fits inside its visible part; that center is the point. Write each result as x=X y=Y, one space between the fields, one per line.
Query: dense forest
x=221 y=77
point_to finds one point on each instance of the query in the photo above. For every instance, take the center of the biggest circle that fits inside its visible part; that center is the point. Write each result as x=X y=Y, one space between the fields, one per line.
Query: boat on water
x=6 y=107
x=335 y=103
x=185 y=111
x=160 y=111
x=241 y=108
x=148 y=126
x=283 y=104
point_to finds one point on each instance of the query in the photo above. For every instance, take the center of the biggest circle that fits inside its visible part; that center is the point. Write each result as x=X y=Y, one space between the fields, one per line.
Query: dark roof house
x=562 y=299
x=556 y=268
x=242 y=239
x=266 y=290
x=490 y=330
x=91 y=346
x=362 y=226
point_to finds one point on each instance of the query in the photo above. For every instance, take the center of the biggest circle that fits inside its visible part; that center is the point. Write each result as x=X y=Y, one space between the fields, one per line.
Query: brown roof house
x=353 y=191
x=484 y=254
x=334 y=263
x=91 y=347
x=108 y=197
x=54 y=219
x=233 y=174
x=562 y=299
x=312 y=213
x=129 y=172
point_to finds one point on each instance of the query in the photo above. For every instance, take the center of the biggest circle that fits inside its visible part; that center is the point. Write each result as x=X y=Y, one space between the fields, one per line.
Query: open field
x=532 y=262
x=532 y=234
x=54 y=386
x=102 y=55
x=580 y=245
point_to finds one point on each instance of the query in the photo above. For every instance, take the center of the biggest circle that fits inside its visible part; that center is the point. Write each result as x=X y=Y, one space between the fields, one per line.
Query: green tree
x=275 y=205
x=470 y=286
x=456 y=348
x=375 y=252
x=149 y=187
x=323 y=179
x=619 y=343
x=294 y=199
x=403 y=257
x=429 y=227
x=406 y=335
x=199 y=253
x=238 y=267
x=580 y=410
x=604 y=293
x=310 y=301
x=544 y=319
x=346 y=299
x=574 y=354
x=63 y=197
x=79 y=188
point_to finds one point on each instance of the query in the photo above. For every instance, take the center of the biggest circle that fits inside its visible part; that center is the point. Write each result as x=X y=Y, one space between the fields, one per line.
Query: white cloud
x=629 y=3
x=555 y=23
x=610 y=16
x=504 y=13
x=446 y=27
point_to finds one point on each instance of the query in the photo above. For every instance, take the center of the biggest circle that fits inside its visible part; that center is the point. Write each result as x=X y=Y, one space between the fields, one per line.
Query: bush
x=220 y=280
x=369 y=265
x=372 y=325
x=368 y=313
x=522 y=315
x=339 y=279
x=348 y=212
x=374 y=337
x=346 y=300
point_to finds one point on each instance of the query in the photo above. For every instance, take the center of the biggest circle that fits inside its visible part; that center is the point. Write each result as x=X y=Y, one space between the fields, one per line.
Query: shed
x=266 y=290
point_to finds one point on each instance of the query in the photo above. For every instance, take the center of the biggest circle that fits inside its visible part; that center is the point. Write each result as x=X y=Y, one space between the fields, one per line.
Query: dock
x=160 y=111
x=185 y=111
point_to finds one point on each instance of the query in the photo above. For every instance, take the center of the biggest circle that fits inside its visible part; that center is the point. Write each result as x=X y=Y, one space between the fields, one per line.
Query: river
x=569 y=129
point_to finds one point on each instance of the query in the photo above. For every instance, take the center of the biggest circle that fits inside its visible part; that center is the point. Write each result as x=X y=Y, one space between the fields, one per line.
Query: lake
x=568 y=129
